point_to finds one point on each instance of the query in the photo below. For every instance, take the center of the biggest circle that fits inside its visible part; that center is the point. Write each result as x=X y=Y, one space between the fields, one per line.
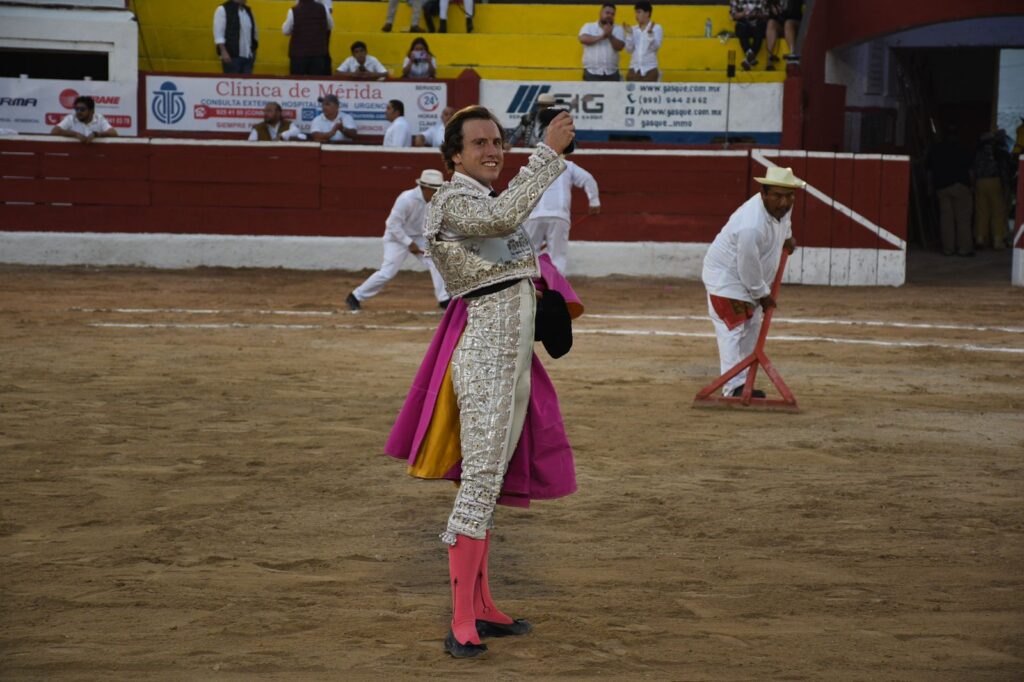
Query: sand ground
x=203 y=496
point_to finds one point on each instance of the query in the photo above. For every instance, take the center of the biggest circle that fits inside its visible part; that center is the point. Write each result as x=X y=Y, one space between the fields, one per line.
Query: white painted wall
x=836 y=267
x=112 y=31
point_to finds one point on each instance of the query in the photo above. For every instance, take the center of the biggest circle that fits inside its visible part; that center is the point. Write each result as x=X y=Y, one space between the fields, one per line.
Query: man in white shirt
x=643 y=42
x=398 y=133
x=235 y=36
x=548 y=224
x=434 y=135
x=403 y=235
x=741 y=265
x=332 y=125
x=84 y=124
x=362 y=65
x=602 y=41
x=275 y=126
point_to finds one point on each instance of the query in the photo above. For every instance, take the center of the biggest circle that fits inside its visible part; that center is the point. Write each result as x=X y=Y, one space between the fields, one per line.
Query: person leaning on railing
x=362 y=65
x=84 y=124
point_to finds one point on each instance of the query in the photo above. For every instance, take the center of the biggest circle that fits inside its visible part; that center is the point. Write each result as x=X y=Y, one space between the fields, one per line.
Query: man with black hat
x=332 y=125
x=403 y=235
x=740 y=267
x=235 y=36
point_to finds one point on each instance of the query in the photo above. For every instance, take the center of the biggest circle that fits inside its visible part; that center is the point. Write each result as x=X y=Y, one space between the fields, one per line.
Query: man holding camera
x=602 y=41
x=530 y=130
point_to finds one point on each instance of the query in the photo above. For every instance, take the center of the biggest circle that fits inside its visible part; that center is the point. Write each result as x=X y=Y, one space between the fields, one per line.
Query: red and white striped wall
x=187 y=203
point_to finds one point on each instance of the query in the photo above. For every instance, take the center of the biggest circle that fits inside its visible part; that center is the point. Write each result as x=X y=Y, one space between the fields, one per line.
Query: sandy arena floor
x=194 y=489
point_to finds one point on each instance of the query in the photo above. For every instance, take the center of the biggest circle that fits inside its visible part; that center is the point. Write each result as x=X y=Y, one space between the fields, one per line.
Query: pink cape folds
x=542 y=466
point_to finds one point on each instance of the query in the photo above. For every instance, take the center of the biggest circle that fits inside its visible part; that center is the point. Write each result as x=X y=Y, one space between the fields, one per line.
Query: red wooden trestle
x=710 y=395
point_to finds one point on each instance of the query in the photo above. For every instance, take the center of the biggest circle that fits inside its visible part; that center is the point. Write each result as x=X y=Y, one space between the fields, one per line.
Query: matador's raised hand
x=560 y=132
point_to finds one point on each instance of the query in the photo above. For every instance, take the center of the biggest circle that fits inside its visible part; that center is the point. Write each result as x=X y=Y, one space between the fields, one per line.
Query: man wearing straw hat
x=740 y=266
x=403 y=235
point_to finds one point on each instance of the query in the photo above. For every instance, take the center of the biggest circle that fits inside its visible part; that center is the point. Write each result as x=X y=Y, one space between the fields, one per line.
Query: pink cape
x=541 y=467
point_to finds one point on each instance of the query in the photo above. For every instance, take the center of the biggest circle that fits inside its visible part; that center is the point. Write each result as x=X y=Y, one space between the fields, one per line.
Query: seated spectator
x=275 y=126
x=434 y=135
x=84 y=124
x=419 y=62
x=783 y=16
x=362 y=65
x=332 y=125
x=309 y=24
x=467 y=5
x=751 y=17
x=602 y=41
x=417 y=7
x=643 y=43
x=398 y=133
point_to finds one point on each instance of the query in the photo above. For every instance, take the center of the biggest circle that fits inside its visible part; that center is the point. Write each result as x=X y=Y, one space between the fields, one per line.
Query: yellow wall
x=515 y=42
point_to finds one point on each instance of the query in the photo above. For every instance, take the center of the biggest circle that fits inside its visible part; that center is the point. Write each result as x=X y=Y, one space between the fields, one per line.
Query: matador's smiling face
x=482 y=155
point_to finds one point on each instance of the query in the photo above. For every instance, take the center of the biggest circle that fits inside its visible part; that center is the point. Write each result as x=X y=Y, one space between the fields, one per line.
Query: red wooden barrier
x=853 y=213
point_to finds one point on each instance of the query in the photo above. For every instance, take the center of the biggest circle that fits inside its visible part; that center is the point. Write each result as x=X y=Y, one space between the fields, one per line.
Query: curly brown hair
x=453 y=139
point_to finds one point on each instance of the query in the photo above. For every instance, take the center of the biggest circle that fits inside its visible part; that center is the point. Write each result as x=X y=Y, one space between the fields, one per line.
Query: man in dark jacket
x=235 y=35
x=309 y=24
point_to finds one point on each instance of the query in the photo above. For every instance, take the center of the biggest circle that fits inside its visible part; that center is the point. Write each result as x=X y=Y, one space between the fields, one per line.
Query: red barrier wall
x=227 y=188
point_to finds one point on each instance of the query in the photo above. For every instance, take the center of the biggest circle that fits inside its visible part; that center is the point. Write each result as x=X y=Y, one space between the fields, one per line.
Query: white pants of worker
x=735 y=344
x=466 y=4
x=395 y=253
x=554 y=232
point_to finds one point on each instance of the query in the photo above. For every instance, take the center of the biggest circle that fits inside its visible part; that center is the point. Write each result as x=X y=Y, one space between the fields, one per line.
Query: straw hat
x=781 y=177
x=431 y=179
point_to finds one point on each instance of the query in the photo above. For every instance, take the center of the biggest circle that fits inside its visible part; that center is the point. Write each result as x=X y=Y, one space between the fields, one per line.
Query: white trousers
x=467 y=4
x=735 y=344
x=395 y=254
x=555 y=233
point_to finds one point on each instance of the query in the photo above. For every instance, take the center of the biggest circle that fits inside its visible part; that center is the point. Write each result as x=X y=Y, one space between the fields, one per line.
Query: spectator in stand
x=643 y=42
x=751 y=17
x=332 y=125
x=417 y=7
x=529 y=131
x=309 y=24
x=84 y=124
x=398 y=133
x=419 y=62
x=275 y=126
x=548 y=224
x=434 y=135
x=948 y=179
x=467 y=5
x=236 y=37
x=362 y=65
x=403 y=235
x=991 y=174
x=602 y=41
x=784 y=16
x=328 y=5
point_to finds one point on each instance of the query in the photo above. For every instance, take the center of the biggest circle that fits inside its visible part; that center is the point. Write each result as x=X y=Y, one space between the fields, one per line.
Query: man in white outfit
x=403 y=235
x=398 y=133
x=740 y=267
x=549 y=222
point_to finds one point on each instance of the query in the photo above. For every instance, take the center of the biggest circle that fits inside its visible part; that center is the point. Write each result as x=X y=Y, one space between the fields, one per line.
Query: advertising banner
x=234 y=105
x=35 y=105
x=685 y=113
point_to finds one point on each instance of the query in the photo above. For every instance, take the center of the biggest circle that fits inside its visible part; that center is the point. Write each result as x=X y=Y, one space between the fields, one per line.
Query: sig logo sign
x=168 y=105
x=580 y=104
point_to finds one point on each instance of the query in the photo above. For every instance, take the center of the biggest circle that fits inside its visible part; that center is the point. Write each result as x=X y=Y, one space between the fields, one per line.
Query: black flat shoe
x=756 y=393
x=485 y=628
x=459 y=650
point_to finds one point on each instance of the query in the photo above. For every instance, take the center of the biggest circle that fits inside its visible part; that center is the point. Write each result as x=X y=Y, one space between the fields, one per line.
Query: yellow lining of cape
x=441 y=447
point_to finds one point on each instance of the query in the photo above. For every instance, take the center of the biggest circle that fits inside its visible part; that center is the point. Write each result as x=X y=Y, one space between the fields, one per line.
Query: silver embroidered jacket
x=476 y=240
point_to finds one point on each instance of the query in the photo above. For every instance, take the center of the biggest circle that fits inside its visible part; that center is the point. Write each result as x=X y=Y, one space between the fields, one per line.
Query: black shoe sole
x=486 y=628
x=459 y=650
